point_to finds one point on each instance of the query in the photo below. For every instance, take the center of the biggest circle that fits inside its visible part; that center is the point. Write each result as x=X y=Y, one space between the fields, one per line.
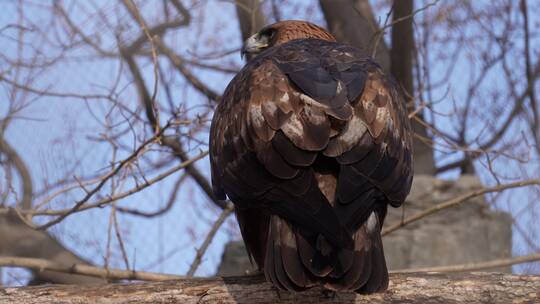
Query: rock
x=235 y=260
x=469 y=233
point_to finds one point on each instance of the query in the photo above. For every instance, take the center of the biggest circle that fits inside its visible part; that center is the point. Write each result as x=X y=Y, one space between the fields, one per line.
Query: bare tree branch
x=250 y=17
x=457 y=201
x=179 y=65
x=26 y=179
x=104 y=273
x=170 y=142
x=110 y=199
x=200 y=252
x=475 y=266
x=112 y=173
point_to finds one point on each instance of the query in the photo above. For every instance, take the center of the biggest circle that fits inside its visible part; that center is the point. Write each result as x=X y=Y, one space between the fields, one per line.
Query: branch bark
x=22 y=169
x=401 y=56
x=250 y=17
x=411 y=288
x=97 y=273
x=200 y=252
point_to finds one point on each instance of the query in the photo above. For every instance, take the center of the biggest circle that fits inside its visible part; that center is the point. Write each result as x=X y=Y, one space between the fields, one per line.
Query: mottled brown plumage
x=311 y=142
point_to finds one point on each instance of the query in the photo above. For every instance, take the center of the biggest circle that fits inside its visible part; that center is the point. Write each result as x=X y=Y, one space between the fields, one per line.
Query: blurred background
x=105 y=108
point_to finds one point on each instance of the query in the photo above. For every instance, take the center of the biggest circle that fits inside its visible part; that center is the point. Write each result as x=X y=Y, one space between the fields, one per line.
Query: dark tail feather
x=296 y=259
x=282 y=262
x=367 y=272
x=378 y=276
x=269 y=259
x=291 y=257
x=317 y=264
x=254 y=225
x=278 y=226
x=378 y=280
x=359 y=273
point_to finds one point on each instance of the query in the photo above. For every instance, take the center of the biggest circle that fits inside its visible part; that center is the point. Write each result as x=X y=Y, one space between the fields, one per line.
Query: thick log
x=411 y=288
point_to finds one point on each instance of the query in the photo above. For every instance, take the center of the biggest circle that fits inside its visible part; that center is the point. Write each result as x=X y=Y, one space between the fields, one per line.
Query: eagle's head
x=281 y=32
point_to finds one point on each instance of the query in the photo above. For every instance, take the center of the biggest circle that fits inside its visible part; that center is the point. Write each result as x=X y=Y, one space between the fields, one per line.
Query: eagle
x=311 y=141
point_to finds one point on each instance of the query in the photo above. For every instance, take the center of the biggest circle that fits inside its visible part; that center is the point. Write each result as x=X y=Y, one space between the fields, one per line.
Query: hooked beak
x=252 y=46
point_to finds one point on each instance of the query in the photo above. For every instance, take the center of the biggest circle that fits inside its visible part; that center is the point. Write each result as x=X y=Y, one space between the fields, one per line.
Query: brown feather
x=269 y=259
x=254 y=224
x=291 y=153
x=291 y=258
x=281 y=275
x=274 y=163
x=360 y=269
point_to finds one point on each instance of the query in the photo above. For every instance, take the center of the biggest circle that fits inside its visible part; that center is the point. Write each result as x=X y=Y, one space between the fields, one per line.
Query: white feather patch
x=372 y=222
x=314 y=115
x=351 y=134
x=284 y=98
x=294 y=130
x=257 y=118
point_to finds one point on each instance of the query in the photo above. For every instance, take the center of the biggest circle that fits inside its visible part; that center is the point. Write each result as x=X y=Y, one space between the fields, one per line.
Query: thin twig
x=457 y=201
x=135 y=13
x=378 y=35
x=161 y=211
x=475 y=266
x=411 y=15
x=14 y=158
x=178 y=63
x=112 y=173
x=174 y=144
x=119 y=236
x=200 y=252
x=119 y=196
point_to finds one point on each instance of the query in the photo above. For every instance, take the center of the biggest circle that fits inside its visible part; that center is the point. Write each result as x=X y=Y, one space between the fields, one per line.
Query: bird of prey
x=311 y=142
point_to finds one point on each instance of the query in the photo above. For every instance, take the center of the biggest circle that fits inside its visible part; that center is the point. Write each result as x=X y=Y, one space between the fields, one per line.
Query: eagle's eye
x=266 y=35
x=259 y=42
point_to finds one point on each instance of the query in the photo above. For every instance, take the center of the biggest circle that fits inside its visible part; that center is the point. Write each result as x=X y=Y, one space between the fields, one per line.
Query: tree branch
x=200 y=252
x=173 y=143
x=457 y=201
x=517 y=108
x=105 y=273
x=404 y=288
x=103 y=181
x=475 y=266
x=17 y=239
x=250 y=17
x=116 y=197
x=178 y=63
x=26 y=179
